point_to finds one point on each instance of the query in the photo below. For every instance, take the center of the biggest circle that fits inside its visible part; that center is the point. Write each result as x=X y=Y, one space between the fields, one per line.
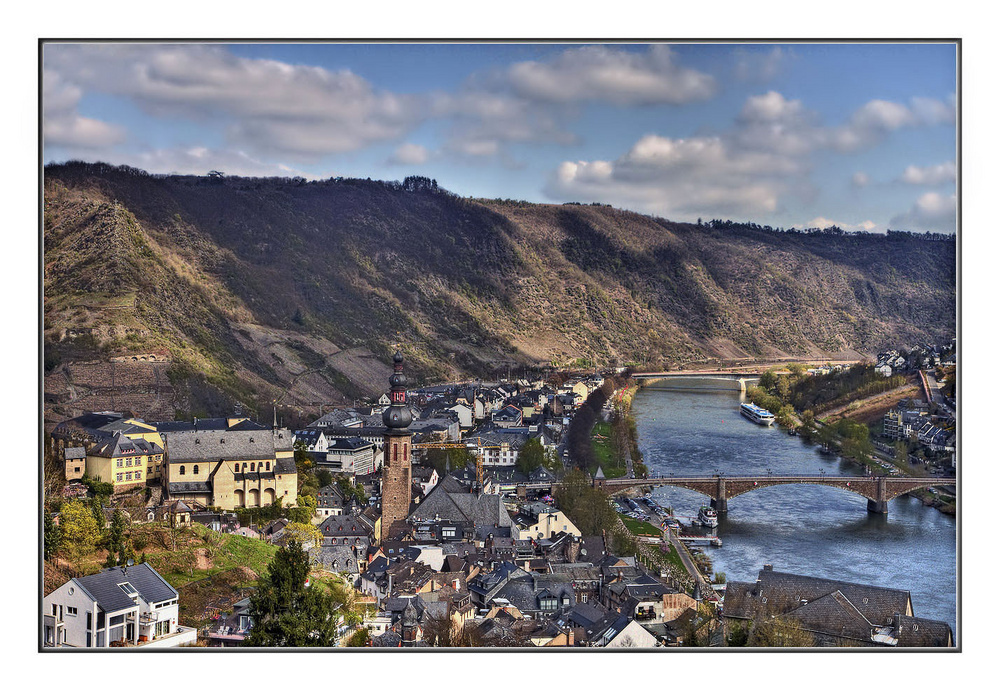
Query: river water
x=803 y=529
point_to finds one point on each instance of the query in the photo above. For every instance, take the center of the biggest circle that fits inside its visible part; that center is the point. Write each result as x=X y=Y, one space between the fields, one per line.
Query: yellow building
x=231 y=468
x=122 y=461
x=538 y=521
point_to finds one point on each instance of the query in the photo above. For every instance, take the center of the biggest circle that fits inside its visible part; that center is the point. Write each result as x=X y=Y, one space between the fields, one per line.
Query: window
x=118 y=477
x=182 y=470
x=70 y=611
x=253 y=467
x=195 y=470
x=128 y=476
x=128 y=462
x=268 y=466
x=119 y=463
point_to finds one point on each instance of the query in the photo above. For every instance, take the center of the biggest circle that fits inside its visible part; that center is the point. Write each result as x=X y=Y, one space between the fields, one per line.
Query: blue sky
x=861 y=135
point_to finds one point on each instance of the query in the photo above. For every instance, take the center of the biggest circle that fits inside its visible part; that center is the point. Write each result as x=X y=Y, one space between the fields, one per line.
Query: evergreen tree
x=52 y=536
x=286 y=612
x=530 y=456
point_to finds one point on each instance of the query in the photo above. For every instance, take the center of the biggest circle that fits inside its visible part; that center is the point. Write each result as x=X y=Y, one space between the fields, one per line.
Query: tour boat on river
x=756 y=414
x=708 y=517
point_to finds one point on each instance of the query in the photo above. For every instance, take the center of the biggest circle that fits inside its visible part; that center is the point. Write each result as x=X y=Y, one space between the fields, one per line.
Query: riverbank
x=804 y=529
x=946 y=504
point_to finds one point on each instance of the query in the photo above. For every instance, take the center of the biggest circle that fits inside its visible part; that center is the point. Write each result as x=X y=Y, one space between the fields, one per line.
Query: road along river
x=803 y=529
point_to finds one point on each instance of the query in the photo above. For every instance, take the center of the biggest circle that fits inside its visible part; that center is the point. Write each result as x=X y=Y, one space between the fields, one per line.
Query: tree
x=304 y=510
x=305 y=534
x=79 y=527
x=359 y=639
x=52 y=536
x=778 y=632
x=324 y=477
x=585 y=505
x=286 y=612
x=531 y=456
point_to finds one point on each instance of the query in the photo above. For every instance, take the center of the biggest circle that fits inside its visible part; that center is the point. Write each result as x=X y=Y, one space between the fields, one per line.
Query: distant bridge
x=709 y=380
x=878 y=490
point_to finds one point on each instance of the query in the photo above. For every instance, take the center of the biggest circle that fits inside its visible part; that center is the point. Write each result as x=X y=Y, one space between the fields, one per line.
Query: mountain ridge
x=294 y=293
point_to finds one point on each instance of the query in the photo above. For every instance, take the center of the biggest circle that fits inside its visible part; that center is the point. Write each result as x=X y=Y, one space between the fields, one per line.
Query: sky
x=862 y=136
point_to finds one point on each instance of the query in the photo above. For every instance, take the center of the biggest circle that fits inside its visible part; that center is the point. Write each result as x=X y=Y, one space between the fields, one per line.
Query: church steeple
x=396 y=479
x=397 y=415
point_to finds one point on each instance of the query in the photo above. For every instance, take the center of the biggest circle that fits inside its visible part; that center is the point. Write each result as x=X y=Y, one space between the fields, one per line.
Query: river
x=803 y=529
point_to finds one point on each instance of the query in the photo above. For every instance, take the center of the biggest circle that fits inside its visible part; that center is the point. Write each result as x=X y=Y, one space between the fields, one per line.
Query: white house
x=464 y=413
x=632 y=635
x=119 y=606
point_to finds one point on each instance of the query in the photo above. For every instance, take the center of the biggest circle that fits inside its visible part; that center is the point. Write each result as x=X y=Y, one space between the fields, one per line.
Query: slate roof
x=285 y=465
x=283 y=440
x=785 y=592
x=203 y=424
x=335 y=418
x=343 y=526
x=75 y=452
x=216 y=444
x=584 y=614
x=924 y=633
x=103 y=586
x=389 y=639
x=118 y=445
x=450 y=501
x=348 y=444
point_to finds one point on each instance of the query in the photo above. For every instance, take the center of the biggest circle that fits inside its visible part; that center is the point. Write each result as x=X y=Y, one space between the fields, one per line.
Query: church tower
x=396 y=481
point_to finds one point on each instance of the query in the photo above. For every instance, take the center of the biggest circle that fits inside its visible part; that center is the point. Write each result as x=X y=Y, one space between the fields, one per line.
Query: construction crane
x=480 y=472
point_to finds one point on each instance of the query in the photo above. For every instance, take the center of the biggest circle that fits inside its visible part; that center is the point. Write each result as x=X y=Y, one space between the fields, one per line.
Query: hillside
x=182 y=294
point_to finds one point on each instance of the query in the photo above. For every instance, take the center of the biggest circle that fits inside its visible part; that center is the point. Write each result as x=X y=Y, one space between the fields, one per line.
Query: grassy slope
x=206 y=568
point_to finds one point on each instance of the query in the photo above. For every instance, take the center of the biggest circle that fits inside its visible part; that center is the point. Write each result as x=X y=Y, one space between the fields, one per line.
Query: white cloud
x=931 y=212
x=681 y=177
x=600 y=73
x=484 y=122
x=293 y=110
x=771 y=107
x=63 y=126
x=743 y=171
x=933 y=112
x=860 y=179
x=409 y=155
x=930 y=175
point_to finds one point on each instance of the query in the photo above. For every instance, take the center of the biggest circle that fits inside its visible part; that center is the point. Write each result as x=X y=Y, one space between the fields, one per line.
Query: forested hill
x=252 y=289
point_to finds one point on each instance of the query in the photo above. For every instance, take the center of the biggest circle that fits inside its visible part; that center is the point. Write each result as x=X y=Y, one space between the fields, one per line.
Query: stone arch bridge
x=878 y=490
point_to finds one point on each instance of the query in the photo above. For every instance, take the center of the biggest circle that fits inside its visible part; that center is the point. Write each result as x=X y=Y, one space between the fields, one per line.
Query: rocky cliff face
x=262 y=290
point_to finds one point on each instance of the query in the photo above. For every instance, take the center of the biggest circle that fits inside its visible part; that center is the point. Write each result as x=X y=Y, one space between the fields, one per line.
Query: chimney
x=768 y=567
